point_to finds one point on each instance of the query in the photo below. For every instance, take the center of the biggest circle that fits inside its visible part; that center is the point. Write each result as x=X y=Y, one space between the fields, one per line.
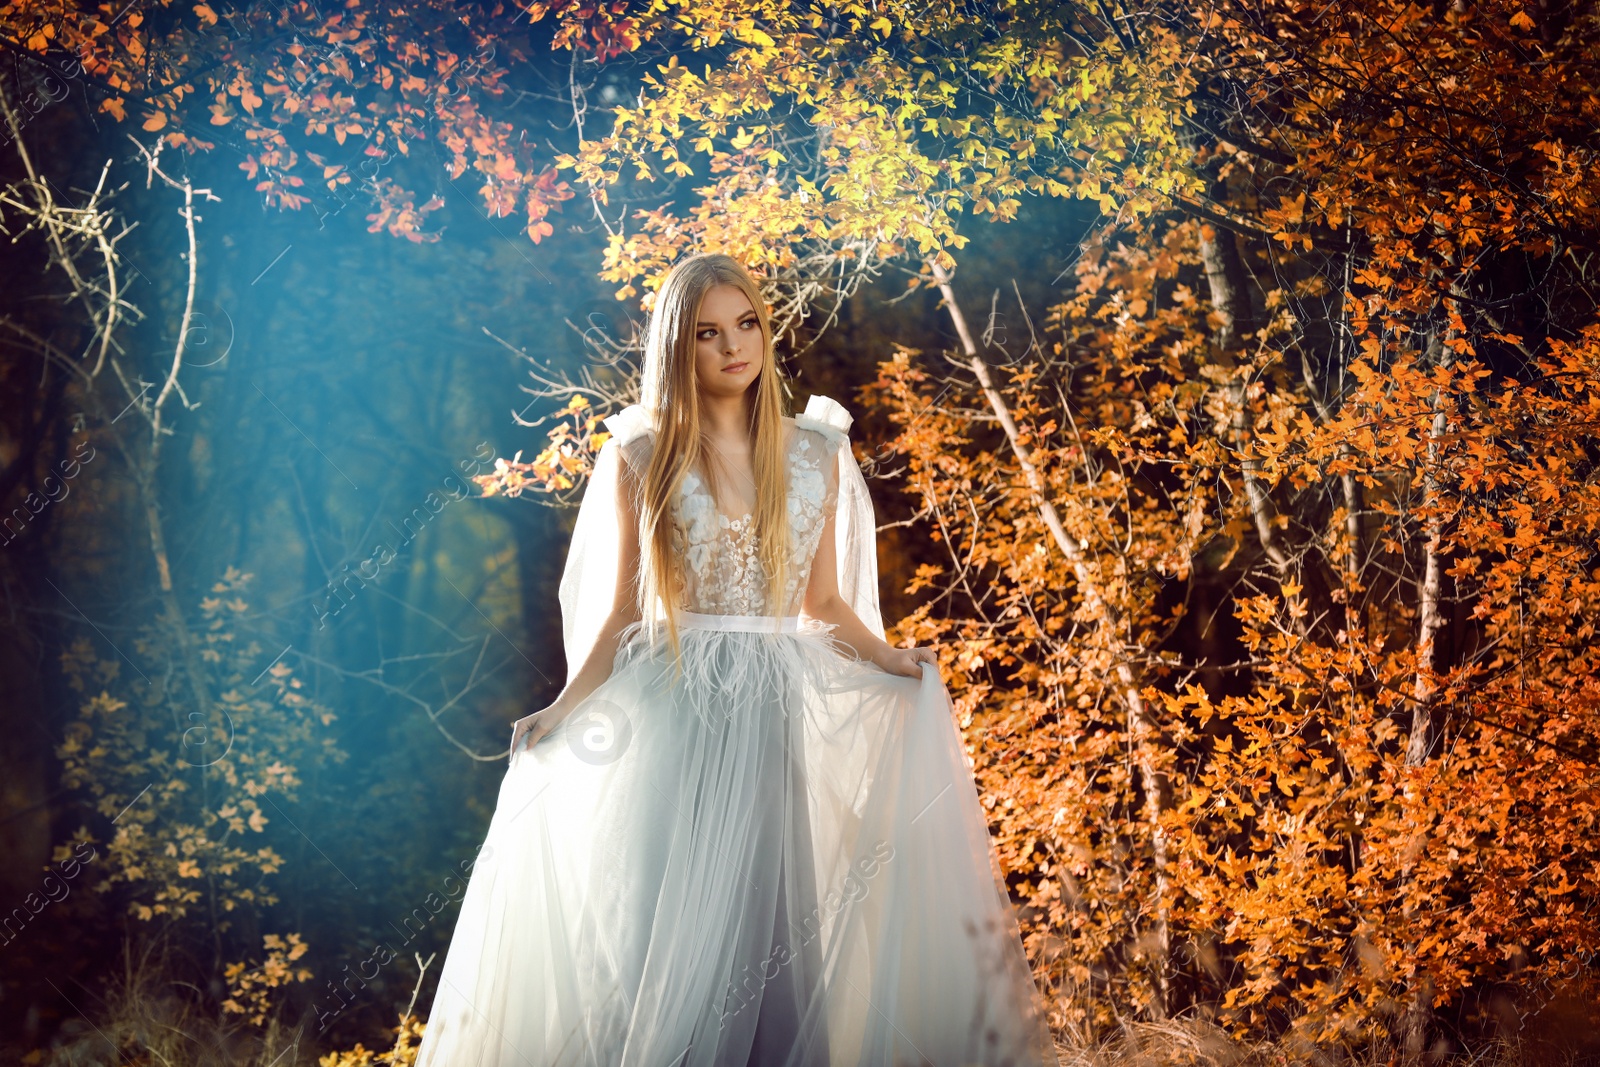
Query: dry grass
x=1198 y=1044
x=144 y=1018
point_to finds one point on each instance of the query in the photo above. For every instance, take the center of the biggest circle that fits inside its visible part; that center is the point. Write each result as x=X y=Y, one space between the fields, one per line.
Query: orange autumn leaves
x=573 y=442
x=194 y=837
x=1353 y=556
x=1305 y=851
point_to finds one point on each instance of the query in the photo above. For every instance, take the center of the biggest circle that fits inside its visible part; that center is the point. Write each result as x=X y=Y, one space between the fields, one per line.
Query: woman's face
x=727 y=343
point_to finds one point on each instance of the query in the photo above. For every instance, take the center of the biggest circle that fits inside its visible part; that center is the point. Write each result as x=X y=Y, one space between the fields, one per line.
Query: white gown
x=764 y=853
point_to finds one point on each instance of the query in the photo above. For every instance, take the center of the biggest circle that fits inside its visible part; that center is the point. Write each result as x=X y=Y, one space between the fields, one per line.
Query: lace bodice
x=722 y=567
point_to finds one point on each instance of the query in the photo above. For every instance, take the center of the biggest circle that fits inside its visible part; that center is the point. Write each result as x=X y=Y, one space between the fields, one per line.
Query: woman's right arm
x=596 y=666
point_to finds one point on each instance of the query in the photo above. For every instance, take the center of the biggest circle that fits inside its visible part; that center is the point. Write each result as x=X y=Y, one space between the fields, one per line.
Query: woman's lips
x=734 y=368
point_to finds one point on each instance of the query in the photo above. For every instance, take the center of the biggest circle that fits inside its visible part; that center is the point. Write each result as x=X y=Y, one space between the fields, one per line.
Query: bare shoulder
x=793 y=430
x=803 y=435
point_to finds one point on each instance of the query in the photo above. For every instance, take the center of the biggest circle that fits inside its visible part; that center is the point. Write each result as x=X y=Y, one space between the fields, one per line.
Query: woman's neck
x=726 y=419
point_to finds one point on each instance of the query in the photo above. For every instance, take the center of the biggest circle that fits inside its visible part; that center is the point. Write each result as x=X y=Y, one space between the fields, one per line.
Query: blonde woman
x=745 y=832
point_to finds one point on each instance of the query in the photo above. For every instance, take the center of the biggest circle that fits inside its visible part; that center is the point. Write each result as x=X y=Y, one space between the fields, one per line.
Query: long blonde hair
x=670 y=396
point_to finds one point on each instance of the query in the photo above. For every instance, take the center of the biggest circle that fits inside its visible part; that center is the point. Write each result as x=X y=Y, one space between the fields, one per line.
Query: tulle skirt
x=761 y=851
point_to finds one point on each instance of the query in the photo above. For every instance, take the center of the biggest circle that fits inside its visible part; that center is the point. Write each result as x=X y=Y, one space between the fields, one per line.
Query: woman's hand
x=537 y=725
x=906 y=662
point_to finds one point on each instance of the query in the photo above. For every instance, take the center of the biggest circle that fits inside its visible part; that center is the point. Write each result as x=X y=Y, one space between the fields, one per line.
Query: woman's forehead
x=724 y=300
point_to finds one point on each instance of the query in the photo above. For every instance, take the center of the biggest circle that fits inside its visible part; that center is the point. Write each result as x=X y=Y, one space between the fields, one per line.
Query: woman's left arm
x=823 y=602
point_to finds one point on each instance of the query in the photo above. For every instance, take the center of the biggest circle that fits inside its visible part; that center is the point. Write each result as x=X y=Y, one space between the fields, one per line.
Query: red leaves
x=591 y=25
x=398 y=212
x=546 y=194
x=296 y=80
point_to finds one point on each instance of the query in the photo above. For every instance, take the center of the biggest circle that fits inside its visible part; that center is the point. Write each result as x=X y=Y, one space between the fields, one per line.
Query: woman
x=745 y=833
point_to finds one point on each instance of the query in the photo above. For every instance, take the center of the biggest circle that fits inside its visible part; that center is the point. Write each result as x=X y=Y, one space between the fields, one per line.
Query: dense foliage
x=1351 y=405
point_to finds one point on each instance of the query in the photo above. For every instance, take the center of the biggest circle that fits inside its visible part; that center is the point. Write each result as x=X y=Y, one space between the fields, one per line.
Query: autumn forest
x=1226 y=376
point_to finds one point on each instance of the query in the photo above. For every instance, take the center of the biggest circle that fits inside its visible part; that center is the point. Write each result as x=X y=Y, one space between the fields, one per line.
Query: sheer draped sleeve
x=589 y=578
x=855 y=525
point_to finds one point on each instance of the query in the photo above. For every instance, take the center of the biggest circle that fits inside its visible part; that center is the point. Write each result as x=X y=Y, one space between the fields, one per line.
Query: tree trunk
x=1417 y=1023
x=1230 y=294
x=1431 y=617
x=1230 y=299
x=1142 y=726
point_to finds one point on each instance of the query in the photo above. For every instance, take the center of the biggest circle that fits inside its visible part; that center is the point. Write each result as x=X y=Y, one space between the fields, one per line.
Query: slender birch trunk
x=1417 y=1023
x=1424 y=724
x=1230 y=298
x=1142 y=726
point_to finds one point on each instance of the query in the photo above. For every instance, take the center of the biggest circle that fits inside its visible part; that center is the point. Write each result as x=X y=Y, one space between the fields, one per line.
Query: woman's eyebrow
x=746 y=315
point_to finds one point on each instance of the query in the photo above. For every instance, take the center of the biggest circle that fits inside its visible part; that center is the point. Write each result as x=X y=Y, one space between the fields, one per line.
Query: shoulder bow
x=628 y=425
x=826 y=416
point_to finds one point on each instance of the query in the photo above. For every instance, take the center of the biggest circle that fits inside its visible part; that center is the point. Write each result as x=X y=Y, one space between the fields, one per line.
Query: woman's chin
x=728 y=386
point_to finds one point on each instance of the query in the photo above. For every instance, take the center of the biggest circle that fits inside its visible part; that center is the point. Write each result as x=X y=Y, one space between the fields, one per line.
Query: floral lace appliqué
x=724 y=571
